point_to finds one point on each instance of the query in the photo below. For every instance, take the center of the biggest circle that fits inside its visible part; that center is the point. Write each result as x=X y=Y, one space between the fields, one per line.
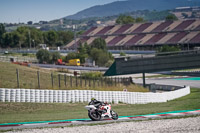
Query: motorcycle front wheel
x=95 y=116
x=114 y=115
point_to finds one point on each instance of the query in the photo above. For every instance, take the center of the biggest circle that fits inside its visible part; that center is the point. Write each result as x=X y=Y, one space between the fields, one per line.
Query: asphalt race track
x=71 y=67
x=171 y=81
x=60 y=123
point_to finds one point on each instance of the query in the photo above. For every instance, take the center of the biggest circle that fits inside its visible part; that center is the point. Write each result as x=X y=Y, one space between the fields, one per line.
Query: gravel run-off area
x=183 y=125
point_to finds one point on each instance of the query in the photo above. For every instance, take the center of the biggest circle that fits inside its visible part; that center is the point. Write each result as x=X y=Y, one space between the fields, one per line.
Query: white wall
x=64 y=96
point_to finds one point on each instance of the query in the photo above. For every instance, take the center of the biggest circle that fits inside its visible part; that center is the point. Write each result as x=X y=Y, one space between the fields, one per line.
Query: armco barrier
x=66 y=96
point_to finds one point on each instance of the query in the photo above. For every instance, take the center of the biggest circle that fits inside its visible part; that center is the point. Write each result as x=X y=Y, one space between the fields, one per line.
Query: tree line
x=29 y=37
x=126 y=19
x=97 y=51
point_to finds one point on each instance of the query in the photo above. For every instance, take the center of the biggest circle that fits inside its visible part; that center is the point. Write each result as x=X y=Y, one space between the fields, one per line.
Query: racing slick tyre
x=114 y=115
x=95 y=116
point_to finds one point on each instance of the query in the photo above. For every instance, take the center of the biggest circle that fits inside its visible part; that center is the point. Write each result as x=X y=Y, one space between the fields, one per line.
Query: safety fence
x=66 y=96
x=29 y=78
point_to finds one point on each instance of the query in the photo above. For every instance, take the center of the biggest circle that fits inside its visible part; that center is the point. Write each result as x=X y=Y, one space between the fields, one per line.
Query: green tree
x=139 y=20
x=55 y=56
x=24 y=36
x=100 y=56
x=171 y=17
x=123 y=19
x=65 y=36
x=50 y=38
x=103 y=58
x=72 y=55
x=83 y=52
x=2 y=31
x=99 y=43
x=7 y=40
x=36 y=37
x=43 y=56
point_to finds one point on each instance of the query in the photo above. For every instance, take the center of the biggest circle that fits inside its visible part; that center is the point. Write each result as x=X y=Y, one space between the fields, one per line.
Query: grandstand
x=150 y=35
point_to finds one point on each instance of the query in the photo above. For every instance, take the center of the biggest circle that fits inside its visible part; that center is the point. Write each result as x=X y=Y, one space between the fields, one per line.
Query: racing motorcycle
x=102 y=112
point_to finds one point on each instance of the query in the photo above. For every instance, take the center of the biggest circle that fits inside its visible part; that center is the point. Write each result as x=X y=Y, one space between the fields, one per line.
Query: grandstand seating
x=198 y=27
x=90 y=30
x=124 y=40
x=123 y=29
x=104 y=30
x=183 y=25
x=155 y=38
x=115 y=40
x=188 y=37
x=135 y=39
x=165 y=38
x=144 y=39
x=196 y=39
x=141 y=34
x=142 y=27
x=150 y=28
x=162 y=26
x=177 y=37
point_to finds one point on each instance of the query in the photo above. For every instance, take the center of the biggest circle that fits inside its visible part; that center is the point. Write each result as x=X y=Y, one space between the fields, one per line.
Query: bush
x=43 y=56
x=92 y=75
x=167 y=48
x=122 y=53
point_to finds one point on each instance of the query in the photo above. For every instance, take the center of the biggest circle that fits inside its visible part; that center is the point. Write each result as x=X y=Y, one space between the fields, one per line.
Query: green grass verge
x=26 y=112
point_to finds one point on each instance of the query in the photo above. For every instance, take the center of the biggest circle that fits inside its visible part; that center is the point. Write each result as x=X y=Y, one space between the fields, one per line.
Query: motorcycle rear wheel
x=93 y=115
x=114 y=115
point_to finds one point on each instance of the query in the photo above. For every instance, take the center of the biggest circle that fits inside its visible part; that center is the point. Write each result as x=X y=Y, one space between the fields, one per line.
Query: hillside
x=119 y=7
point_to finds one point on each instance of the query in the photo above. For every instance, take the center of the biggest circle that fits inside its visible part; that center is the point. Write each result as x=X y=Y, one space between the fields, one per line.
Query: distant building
x=61 y=21
x=43 y=22
x=30 y=22
x=182 y=9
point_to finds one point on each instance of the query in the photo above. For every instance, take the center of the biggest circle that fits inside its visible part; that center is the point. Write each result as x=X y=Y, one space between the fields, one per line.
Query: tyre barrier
x=66 y=96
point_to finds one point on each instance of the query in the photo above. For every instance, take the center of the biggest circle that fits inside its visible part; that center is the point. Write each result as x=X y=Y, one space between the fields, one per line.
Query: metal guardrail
x=69 y=51
x=17 y=58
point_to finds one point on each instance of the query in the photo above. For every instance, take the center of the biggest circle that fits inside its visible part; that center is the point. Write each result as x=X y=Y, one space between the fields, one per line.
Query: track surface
x=71 y=67
x=22 y=125
x=171 y=81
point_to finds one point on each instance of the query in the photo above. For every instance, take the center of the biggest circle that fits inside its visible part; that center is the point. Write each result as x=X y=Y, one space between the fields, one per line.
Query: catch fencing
x=67 y=96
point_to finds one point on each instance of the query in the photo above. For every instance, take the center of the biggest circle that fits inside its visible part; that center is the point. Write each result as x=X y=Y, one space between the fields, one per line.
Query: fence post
x=94 y=82
x=70 y=81
x=65 y=78
x=38 y=75
x=17 y=71
x=115 y=81
x=101 y=82
x=105 y=80
x=89 y=82
x=98 y=82
x=85 y=82
x=81 y=81
x=76 y=82
x=59 y=80
x=52 y=79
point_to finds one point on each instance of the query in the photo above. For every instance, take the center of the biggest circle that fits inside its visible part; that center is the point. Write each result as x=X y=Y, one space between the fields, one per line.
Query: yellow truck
x=74 y=62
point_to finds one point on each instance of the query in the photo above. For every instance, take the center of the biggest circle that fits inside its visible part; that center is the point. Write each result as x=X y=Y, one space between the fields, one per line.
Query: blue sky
x=15 y=11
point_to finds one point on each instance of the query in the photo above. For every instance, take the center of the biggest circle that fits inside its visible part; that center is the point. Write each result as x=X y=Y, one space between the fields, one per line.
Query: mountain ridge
x=120 y=7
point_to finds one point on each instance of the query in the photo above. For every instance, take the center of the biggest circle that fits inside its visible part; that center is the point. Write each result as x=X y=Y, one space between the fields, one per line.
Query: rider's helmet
x=92 y=99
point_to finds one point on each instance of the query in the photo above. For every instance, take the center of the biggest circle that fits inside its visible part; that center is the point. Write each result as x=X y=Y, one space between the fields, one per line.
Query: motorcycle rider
x=96 y=103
